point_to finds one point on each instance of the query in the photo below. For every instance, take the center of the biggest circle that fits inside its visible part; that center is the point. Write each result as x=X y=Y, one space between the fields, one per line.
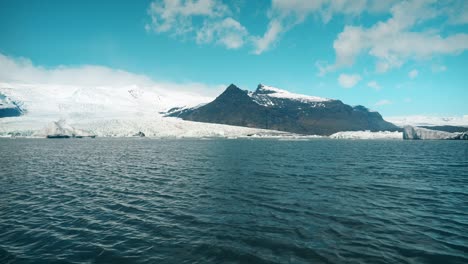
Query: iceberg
x=410 y=132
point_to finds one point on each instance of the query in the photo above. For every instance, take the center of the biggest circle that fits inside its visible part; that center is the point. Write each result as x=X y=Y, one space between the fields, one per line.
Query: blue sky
x=397 y=57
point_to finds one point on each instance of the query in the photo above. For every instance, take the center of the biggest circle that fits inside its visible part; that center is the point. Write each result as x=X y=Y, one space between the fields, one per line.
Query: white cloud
x=177 y=15
x=383 y=102
x=374 y=85
x=285 y=14
x=413 y=74
x=438 y=68
x=457 y=12
x=288 y=13
x=348 y=80
x=394 y=42
x=407 y=100
x=216 y=26
x=271 y=35
x=23 y=71
x=391 y=42
x=326 y=9
x=228 y=32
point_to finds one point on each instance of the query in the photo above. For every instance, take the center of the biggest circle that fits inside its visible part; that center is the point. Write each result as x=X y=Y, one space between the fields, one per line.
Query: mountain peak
x=232 y=87
x=232 y=91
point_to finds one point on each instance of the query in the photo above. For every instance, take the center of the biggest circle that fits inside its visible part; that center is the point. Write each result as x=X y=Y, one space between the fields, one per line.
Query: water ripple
x=239 y=201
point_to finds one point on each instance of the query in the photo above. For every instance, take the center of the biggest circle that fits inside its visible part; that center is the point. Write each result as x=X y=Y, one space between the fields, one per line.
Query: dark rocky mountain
x=272 y=108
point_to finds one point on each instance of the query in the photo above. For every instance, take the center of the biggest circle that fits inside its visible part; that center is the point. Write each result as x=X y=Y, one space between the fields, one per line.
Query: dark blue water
x=234 y=201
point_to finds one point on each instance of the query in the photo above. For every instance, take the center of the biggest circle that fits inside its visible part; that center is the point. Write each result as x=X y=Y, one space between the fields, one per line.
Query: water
x=233 y=201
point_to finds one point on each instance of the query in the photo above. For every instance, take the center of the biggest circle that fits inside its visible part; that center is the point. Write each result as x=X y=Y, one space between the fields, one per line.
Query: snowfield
x=279 y=93
x=87 y=102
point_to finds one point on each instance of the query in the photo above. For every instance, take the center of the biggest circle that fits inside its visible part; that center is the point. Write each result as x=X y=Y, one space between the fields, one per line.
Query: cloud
x=402 y=37
x=348 y=80
x=413 y=74
x=271 y=35
x=395 y=41
x=205 y=20
x=327 y=9
x=23 y=71
x=228 y=32
x=374 y=85
x=407 y=100
x=288 y=13
x=177 y=15
x=383 y=102
x=217 y=26
x=438 y=68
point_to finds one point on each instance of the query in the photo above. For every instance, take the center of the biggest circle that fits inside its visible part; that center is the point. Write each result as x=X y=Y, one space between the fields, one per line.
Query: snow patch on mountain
x=264 y=95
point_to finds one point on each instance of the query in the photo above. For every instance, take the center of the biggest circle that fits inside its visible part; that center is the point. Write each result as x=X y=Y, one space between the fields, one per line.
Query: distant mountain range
x=272 y=108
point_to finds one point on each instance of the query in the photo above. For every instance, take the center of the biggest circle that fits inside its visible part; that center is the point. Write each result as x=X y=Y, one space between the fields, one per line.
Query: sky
x=397 y=57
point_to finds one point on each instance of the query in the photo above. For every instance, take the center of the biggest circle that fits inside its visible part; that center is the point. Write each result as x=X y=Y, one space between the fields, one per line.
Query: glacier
x=156 y=126
x=367 y=135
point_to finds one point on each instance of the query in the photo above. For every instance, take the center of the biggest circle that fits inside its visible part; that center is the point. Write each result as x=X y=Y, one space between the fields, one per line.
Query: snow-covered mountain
x=88 y=102
x=272 y=108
